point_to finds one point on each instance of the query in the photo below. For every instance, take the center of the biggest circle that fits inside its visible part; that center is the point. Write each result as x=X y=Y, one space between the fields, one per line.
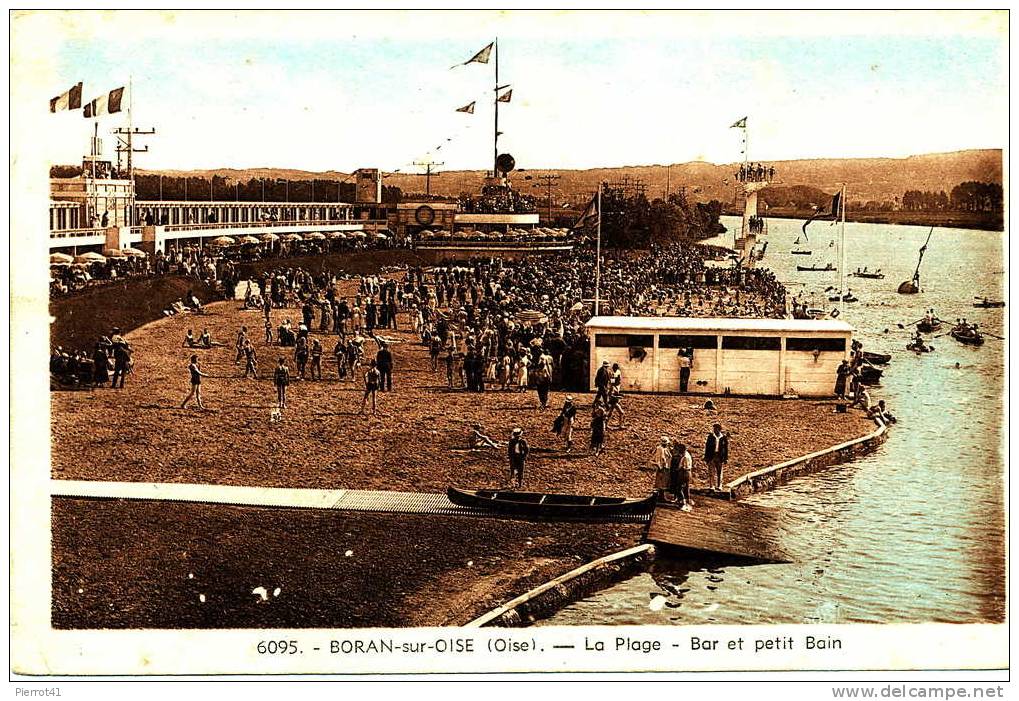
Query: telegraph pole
x=548 y=180
x=429 y=174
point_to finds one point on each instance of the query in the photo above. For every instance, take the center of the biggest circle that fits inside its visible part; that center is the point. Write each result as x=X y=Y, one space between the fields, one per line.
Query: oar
x=1000 y=338
x=909 y=324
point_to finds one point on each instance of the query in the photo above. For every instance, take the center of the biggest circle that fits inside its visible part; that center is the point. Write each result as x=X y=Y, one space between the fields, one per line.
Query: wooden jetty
x=720 y=526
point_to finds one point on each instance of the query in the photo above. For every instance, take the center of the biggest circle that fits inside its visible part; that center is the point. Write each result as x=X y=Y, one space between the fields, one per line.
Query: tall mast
x=842 y=252
x=495 y=97
x=597 y=258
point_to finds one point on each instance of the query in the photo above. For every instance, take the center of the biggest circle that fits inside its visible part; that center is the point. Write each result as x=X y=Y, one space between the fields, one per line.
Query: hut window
x=756 y=343
x=696 y=342
x=622 y=340
x=820 y=344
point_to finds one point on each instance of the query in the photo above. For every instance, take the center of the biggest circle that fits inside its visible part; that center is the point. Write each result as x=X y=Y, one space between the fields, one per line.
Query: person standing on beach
x=542 y=383
x=384 y=362
x=121 y=358
x=841 y=378
x=242 y=338
x=517 y=450
x=196 y=384
x=716 y=454
x=301 y=355
x=602 y=379
x=281 y=378
x=250 y=360
x=598 y=424
x=316 y=360
x=680 y=469
x=564 y=422
x=372 y=379
x=659 y=462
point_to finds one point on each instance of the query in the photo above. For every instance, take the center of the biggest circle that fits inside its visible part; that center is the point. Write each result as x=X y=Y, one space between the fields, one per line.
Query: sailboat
x=911 y=287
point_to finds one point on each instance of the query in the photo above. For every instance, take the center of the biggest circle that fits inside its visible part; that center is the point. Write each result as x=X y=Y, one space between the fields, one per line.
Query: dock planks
x=719 y=526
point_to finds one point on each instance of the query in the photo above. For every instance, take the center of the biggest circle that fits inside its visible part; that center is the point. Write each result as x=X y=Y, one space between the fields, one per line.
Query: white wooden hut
x=766 y=357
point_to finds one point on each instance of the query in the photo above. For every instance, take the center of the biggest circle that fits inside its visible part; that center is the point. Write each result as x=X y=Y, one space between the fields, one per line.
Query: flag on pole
x=590 y=215
x=480 y=57
x=740 y=124
x=105 y=104
x=467 y=109
x=70 y=100
x=823 y=213
x=505 y=97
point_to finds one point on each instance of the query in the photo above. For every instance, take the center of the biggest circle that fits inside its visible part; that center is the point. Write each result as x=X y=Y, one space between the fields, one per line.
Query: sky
x=340 y=91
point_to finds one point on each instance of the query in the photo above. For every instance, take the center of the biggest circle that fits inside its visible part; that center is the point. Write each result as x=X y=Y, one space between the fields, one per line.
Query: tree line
x=970 y=196
x=631 y=220
x=218 y=188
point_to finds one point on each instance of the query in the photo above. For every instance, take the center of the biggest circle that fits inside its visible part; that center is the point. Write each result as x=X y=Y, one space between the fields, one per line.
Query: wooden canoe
x=536 y=504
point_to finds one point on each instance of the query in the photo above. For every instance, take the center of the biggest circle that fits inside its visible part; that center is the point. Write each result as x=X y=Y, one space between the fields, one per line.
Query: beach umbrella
x=358 y=234
x=223 y=241
x=61 y=258
x=60 y=264
x=336 y=235
x=269 y=238
x=380 y=235
x=291 y=237
x=314 y=236
x=132 y=252
x=114 y=253
x=249 y=239
x=90 y=257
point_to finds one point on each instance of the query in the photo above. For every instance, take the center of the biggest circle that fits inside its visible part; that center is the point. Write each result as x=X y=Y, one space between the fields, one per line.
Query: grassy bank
x=80 y=320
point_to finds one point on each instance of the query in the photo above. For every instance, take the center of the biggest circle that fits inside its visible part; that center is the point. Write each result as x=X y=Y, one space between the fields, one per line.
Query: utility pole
x=548 y=180
x=429 y=174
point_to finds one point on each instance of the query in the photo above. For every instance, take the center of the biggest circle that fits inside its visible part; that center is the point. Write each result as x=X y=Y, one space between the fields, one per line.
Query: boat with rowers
x=814 y=269
x=967 y=335
x=985 y=303
x=800 y=252
x=870 y=275
x=539 y=505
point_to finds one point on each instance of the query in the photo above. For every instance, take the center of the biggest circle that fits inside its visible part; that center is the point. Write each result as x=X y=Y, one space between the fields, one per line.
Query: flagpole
x=495 y=139
x=842 y=264
x=597 y=258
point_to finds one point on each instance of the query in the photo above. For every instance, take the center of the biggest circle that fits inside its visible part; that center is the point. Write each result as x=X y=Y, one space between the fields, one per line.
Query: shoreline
x=141 y=435
x=960 y=221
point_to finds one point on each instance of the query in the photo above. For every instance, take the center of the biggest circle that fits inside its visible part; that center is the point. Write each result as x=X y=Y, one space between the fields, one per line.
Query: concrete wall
x=771 y=477
x=806 y=376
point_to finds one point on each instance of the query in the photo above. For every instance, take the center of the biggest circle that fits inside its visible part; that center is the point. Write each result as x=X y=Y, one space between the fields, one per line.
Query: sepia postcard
x=459 y=342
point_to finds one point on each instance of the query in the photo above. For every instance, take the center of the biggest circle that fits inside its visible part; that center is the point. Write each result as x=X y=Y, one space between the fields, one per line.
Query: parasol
x=61 y=258
x=90 y=258
x=223 y=241
x=530 y=316
x=132 y=252
x=270 y=237
x=314 y=236
x=249 y=239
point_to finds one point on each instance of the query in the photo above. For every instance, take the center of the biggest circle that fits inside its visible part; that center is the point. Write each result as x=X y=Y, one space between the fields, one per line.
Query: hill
x=878 y=179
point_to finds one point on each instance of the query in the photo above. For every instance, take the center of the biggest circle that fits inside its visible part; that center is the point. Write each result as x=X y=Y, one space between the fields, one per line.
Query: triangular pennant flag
x=590 y=215
x=105 y=104
x=480 y=57
x=505 y=97
x=70 y=100
x=468 y=109
x=740 y=124
x=822 y=213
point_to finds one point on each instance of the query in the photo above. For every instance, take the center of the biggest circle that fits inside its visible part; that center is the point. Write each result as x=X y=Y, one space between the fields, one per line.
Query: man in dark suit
x=384 y=363
x=601 y=381
x=716 y=454
x=517 y=449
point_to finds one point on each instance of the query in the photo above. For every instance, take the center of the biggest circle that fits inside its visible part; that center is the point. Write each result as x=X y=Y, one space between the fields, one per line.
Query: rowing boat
x=989 y=304
x=801 y=253
x=877 y=358
x=814 y=269
x=924 y=327
x=923 y=348
x=868 y=275
x=536 y=504
x=968 y=337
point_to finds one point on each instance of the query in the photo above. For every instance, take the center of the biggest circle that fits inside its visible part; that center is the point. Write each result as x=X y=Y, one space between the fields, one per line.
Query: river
x=912 y=533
